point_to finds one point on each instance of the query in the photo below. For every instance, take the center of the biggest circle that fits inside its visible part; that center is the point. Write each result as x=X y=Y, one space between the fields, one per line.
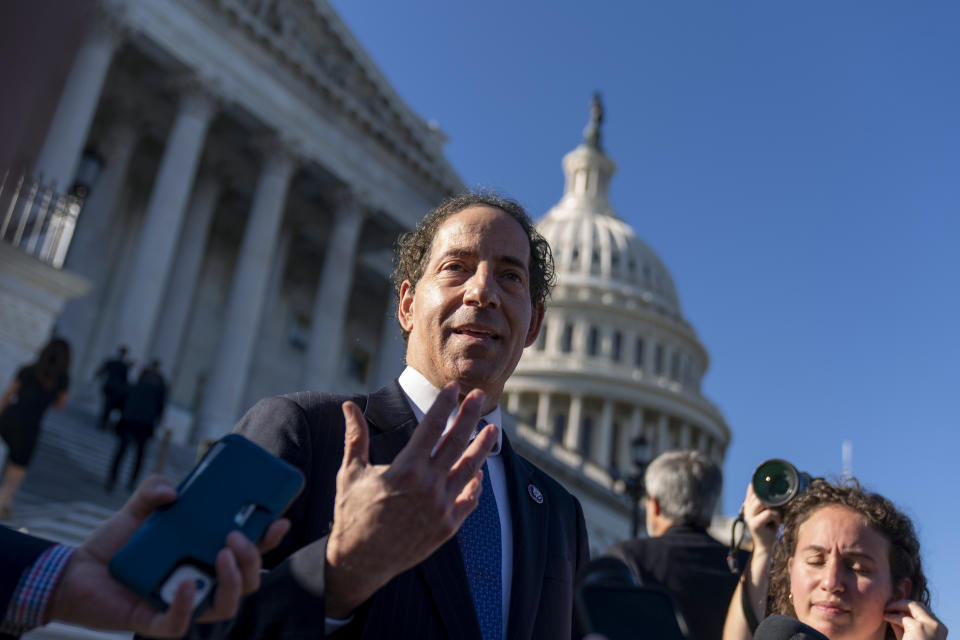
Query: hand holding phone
x=235 y=486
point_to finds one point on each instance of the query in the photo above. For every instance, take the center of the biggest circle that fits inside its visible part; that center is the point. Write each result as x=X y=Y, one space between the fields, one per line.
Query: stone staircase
x=63 y=497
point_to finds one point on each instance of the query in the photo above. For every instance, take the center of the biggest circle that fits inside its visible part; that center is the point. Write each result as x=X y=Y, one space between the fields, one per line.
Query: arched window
x=541 y=342
x=658 y=360
x=638 y=353
x=593 y=341
x=615 y=347
x=566 y=340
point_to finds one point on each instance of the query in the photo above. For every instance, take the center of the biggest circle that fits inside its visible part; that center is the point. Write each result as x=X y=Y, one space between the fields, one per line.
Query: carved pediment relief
x=308 y=38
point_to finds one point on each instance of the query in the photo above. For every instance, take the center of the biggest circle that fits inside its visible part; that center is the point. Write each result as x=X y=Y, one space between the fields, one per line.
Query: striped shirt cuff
x=28 y=606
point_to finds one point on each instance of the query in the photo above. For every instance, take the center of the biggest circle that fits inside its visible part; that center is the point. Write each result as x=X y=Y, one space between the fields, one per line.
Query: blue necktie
x=479 y=540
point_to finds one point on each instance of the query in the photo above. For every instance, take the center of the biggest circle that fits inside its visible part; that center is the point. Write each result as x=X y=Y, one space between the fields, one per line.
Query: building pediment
x=308 y=38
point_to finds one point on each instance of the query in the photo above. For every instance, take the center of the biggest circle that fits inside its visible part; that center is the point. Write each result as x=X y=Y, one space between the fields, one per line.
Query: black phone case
x=236 y=485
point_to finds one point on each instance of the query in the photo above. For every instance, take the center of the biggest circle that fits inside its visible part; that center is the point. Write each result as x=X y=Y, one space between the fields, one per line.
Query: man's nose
x=481 y=288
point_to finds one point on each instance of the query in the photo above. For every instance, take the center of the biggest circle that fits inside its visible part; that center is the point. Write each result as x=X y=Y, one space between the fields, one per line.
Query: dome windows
x=566 y=339
x=593 y=342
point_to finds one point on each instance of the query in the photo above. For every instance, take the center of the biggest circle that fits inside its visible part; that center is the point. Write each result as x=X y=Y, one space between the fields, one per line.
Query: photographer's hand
x=86 y=594
x=762 y=522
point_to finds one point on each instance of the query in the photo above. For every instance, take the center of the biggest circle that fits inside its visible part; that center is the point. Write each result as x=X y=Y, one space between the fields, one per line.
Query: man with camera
x=682 y=489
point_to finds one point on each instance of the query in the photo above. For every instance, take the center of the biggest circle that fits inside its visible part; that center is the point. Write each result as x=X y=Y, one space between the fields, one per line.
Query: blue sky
x=795 y=165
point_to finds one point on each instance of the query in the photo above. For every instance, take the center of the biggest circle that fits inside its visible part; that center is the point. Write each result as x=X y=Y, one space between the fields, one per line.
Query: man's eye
x=513 y=275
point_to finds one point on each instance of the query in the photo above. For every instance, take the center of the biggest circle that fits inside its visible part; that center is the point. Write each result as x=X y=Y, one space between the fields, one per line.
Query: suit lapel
x=391 y=422
x=529 y=543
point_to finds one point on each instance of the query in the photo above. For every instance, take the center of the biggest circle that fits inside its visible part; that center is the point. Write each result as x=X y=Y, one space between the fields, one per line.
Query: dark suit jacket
x=692 y=566
x=17 y=552
x=431 y=600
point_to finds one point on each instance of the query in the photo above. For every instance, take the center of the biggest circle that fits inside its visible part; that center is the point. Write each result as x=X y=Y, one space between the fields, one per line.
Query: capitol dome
x=615 y=361
x=592 y=246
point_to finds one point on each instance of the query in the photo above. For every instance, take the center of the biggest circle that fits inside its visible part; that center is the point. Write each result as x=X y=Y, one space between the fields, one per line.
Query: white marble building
x=615 y=358
x=256 y=167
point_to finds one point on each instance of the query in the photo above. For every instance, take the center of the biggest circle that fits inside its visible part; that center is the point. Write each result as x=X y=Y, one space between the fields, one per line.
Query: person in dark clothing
x=680 y=556
x=141 y=414
x=22 y=406
x=114 y=372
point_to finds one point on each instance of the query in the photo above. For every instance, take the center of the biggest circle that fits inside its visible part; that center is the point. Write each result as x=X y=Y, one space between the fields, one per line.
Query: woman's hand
x=762 y=521
x=913 y=621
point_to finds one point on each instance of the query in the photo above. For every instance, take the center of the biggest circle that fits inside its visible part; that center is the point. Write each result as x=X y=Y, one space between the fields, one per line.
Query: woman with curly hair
x=847 y=564
x=22 y=406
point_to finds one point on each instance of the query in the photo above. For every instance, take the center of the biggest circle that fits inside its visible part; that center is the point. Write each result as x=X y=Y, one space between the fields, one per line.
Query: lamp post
x=640 y=450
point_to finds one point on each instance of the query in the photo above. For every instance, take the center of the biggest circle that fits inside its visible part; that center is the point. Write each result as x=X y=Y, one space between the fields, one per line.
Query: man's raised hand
x=388 y=518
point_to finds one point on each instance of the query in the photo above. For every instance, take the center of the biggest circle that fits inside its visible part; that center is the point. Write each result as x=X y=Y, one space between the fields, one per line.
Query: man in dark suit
x=682 y=489
x=114 y=372
x=418 y=520
x=142 y=410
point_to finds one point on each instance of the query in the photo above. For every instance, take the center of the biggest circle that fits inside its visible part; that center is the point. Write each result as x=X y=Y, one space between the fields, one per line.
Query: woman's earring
x=790 y=597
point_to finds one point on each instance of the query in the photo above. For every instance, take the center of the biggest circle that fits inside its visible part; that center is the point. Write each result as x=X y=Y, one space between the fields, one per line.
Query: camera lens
x=776 y=482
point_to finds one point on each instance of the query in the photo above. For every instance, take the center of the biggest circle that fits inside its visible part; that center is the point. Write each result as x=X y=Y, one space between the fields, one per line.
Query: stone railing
x=36 y=219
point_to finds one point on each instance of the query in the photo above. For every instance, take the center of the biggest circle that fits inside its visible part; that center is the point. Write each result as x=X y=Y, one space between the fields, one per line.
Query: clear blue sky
x=797 y=167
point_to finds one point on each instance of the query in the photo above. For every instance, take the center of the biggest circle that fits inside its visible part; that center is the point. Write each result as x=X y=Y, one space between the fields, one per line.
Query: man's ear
x=653 y=505
x=536 y=322
x=405 y=306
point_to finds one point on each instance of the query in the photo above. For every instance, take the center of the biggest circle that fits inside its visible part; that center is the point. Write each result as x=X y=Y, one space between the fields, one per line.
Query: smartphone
x=236 y=485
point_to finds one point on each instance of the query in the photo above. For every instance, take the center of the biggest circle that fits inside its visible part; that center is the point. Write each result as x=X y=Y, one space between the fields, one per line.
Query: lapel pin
x=535 y=494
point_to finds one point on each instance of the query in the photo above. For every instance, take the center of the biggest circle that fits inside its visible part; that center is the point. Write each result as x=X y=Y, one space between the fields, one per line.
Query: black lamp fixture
x=88 y=170
x=640 y=451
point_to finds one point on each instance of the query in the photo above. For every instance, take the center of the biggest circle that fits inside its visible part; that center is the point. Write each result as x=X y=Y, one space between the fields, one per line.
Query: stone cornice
x=311 y=42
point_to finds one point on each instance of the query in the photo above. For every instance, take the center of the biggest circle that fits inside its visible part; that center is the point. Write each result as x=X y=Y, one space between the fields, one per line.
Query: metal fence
x=36 y=219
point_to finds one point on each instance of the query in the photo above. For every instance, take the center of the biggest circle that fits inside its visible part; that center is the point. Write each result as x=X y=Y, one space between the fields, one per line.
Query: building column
x=248 y=290
x=392 y=345
x=89 y=255
x=183 y=279
x=543 y=412
x=332 y=299
x=60 y=154
x=606 y=435
x=571 y=439
x=663 y=433
x=162 y=222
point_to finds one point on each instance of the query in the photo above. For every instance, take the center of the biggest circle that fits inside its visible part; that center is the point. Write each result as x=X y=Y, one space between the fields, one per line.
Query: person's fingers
x=153 y=492
x=176 y=620
x=464 y=425
x=472 y=459
x=274 y=535
x=356 y=438
x=427 y=433
x=226 y=599
x=467 y=500
x=248 y=561
x=896 y=623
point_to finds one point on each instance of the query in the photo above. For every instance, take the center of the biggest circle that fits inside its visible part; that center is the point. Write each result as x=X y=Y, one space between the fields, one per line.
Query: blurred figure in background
x=142 y=410
x=114 y=372
x=36 y=387
x=682 y=489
